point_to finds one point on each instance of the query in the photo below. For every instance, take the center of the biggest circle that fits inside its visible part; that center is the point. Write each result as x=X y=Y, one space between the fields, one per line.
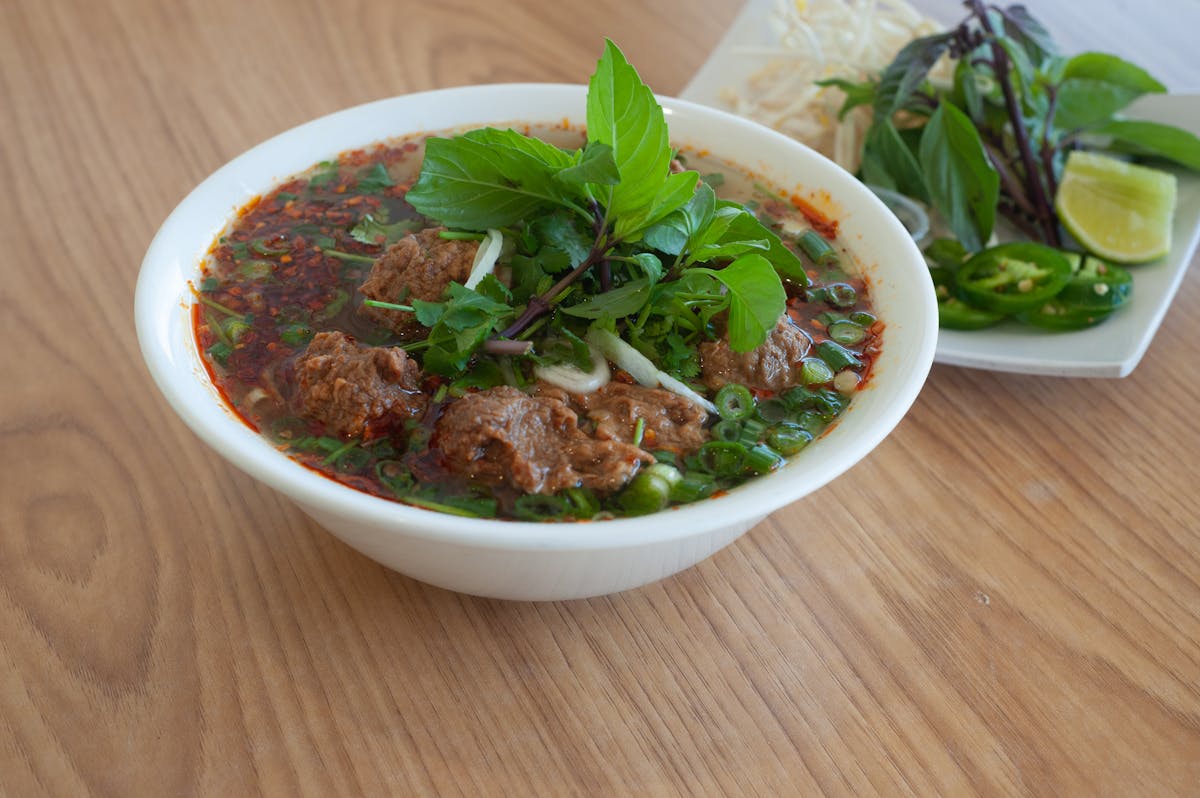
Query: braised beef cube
x=669 y=420
x=772 y=366
x=502 y=436
x=348 y=386
x=418 y=266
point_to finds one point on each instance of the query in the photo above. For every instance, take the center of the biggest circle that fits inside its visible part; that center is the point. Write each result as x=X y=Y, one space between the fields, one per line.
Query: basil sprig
x=603 y=232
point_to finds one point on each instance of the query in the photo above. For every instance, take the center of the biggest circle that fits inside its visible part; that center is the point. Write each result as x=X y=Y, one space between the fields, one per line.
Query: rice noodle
x=819 y=39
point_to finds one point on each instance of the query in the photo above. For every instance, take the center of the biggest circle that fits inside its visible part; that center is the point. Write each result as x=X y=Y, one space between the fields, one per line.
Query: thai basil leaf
x=1083 y=102
x=966 y=91
x=1020 y=25
x=1153 y=139
x=889 y=163
x=963 y=185
x=672 y=233
x=623 y=114
x=540 y=151
x=674 y=193
x=488 y=180
x=745 y=226
x=1112 y=69
x=1097 y=85
x=907 y=71
x=756 y=300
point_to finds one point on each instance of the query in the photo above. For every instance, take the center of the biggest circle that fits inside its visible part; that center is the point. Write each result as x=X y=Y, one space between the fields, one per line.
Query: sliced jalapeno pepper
x=953 y=313
x=1011 y=278
x=1055 y=314
x=1097 y=285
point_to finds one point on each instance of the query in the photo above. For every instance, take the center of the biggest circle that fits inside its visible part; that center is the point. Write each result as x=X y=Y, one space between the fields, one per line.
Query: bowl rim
x=224 y=431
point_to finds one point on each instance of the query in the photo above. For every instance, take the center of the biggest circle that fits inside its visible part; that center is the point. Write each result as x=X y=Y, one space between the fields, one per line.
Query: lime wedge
x=1117 y=210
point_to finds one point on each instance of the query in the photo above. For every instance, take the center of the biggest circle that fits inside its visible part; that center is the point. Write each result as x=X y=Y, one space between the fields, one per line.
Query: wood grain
x=1003 y=599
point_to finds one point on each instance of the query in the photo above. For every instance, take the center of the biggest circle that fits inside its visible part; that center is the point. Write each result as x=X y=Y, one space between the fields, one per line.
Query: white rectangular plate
x=1110 y=349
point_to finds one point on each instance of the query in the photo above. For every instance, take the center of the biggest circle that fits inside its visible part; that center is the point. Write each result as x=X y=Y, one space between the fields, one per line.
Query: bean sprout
x=815 y=40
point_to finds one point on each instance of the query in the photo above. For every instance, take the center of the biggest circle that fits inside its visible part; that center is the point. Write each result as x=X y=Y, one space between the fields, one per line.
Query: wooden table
x=1004 y=598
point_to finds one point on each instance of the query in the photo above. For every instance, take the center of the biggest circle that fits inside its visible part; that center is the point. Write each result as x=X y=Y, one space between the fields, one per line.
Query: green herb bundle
x=994 y=142
x=608 y=234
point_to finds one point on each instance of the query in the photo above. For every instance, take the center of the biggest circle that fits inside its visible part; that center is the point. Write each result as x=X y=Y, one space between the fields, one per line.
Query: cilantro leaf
x=375 y=180
x=461 y=324
x=374 y=229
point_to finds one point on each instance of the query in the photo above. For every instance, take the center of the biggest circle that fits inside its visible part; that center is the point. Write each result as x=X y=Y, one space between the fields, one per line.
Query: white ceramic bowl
x=526 y=560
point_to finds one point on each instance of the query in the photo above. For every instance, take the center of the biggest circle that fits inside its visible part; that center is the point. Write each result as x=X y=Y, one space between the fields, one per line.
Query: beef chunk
x=418 y=266
x=671 y=421
x=502 y=436
x=349 y=386
x=772 y=366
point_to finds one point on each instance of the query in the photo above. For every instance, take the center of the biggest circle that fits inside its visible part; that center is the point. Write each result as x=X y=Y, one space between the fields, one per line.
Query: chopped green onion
x=581 y=502
x=837 y=356
x=296 y=335
x=763 y=459
x=841 y=295
x=212 y=303
x=350 y=256
x=862 y=318
x=727 y=430
x=639 y=431
x=467 y=507
x=539 y=507
x=665 y=456
x=209 y=284
x=667 y=472
x=846 y=332
x=692 y=488
x=220 y=352
x=752 y=431
x=460 y=235
x=734 y=402
x=772 y=410
x=235 y=328
x=395 y=476
x=375 y=303
x=648 y=492
x=256 y=269
x=815 y=372
x=817 y=248
x=723 y=458
x=260 y=246
x=788 y=439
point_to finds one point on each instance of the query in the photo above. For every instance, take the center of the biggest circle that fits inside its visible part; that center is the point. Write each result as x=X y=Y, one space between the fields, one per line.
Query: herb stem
x=1011 y=184
x=349 y=256
x=1037 y=190
x=498 y=346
